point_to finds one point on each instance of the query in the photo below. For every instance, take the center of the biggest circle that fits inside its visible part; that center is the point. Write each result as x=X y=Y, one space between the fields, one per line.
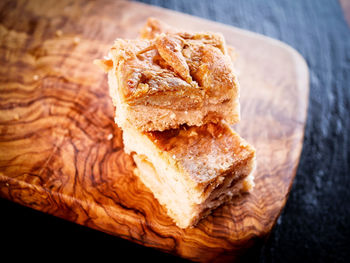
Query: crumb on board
x=76 y=40
x=193 y=133
x=59 y=33
x=35 y=77
x=16 y=116
x=110 y=136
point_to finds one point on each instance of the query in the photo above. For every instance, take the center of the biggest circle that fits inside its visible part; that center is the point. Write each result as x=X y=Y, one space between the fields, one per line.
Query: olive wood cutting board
x=62 y=154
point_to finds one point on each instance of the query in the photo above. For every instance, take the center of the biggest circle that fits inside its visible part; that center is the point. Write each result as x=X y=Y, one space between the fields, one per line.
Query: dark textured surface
x=315 y=224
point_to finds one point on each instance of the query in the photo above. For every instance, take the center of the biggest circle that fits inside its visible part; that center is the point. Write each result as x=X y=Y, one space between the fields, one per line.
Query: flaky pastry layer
x=191 y=170
x=172 y=79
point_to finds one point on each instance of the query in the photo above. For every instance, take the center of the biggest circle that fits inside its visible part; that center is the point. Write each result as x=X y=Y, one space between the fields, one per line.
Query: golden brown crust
x=194 y=57
x=204 y=152
x=170 y=49
x=186 y=78
x=173 y=69
x=144 y=78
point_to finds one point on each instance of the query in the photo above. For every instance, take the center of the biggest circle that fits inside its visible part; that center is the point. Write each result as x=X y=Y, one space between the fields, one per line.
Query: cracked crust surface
x=204 y=152
x=173 y=72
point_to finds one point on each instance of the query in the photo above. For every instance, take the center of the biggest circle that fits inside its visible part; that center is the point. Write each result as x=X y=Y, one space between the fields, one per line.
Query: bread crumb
x=110 y=136
x=7 y=184
x=16 y=116
x=186 y=112
x=35 y=77
x=193 y=133
x=59 y=33
x=173 y=116
x=76 y=40
x=108 y=57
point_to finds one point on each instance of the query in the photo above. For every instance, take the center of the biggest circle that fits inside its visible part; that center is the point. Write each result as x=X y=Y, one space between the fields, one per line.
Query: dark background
x=315 y=224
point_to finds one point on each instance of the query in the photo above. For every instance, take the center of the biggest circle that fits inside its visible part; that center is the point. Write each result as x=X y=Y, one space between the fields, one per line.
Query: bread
x=172 y=79
x=176 y=95
x=192 y=170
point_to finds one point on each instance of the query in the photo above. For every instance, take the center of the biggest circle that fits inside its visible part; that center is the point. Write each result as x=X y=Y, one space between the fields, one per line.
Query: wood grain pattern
x=56 y=124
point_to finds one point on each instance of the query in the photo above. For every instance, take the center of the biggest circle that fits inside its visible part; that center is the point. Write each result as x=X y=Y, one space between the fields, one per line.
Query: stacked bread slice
x=176 y=95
